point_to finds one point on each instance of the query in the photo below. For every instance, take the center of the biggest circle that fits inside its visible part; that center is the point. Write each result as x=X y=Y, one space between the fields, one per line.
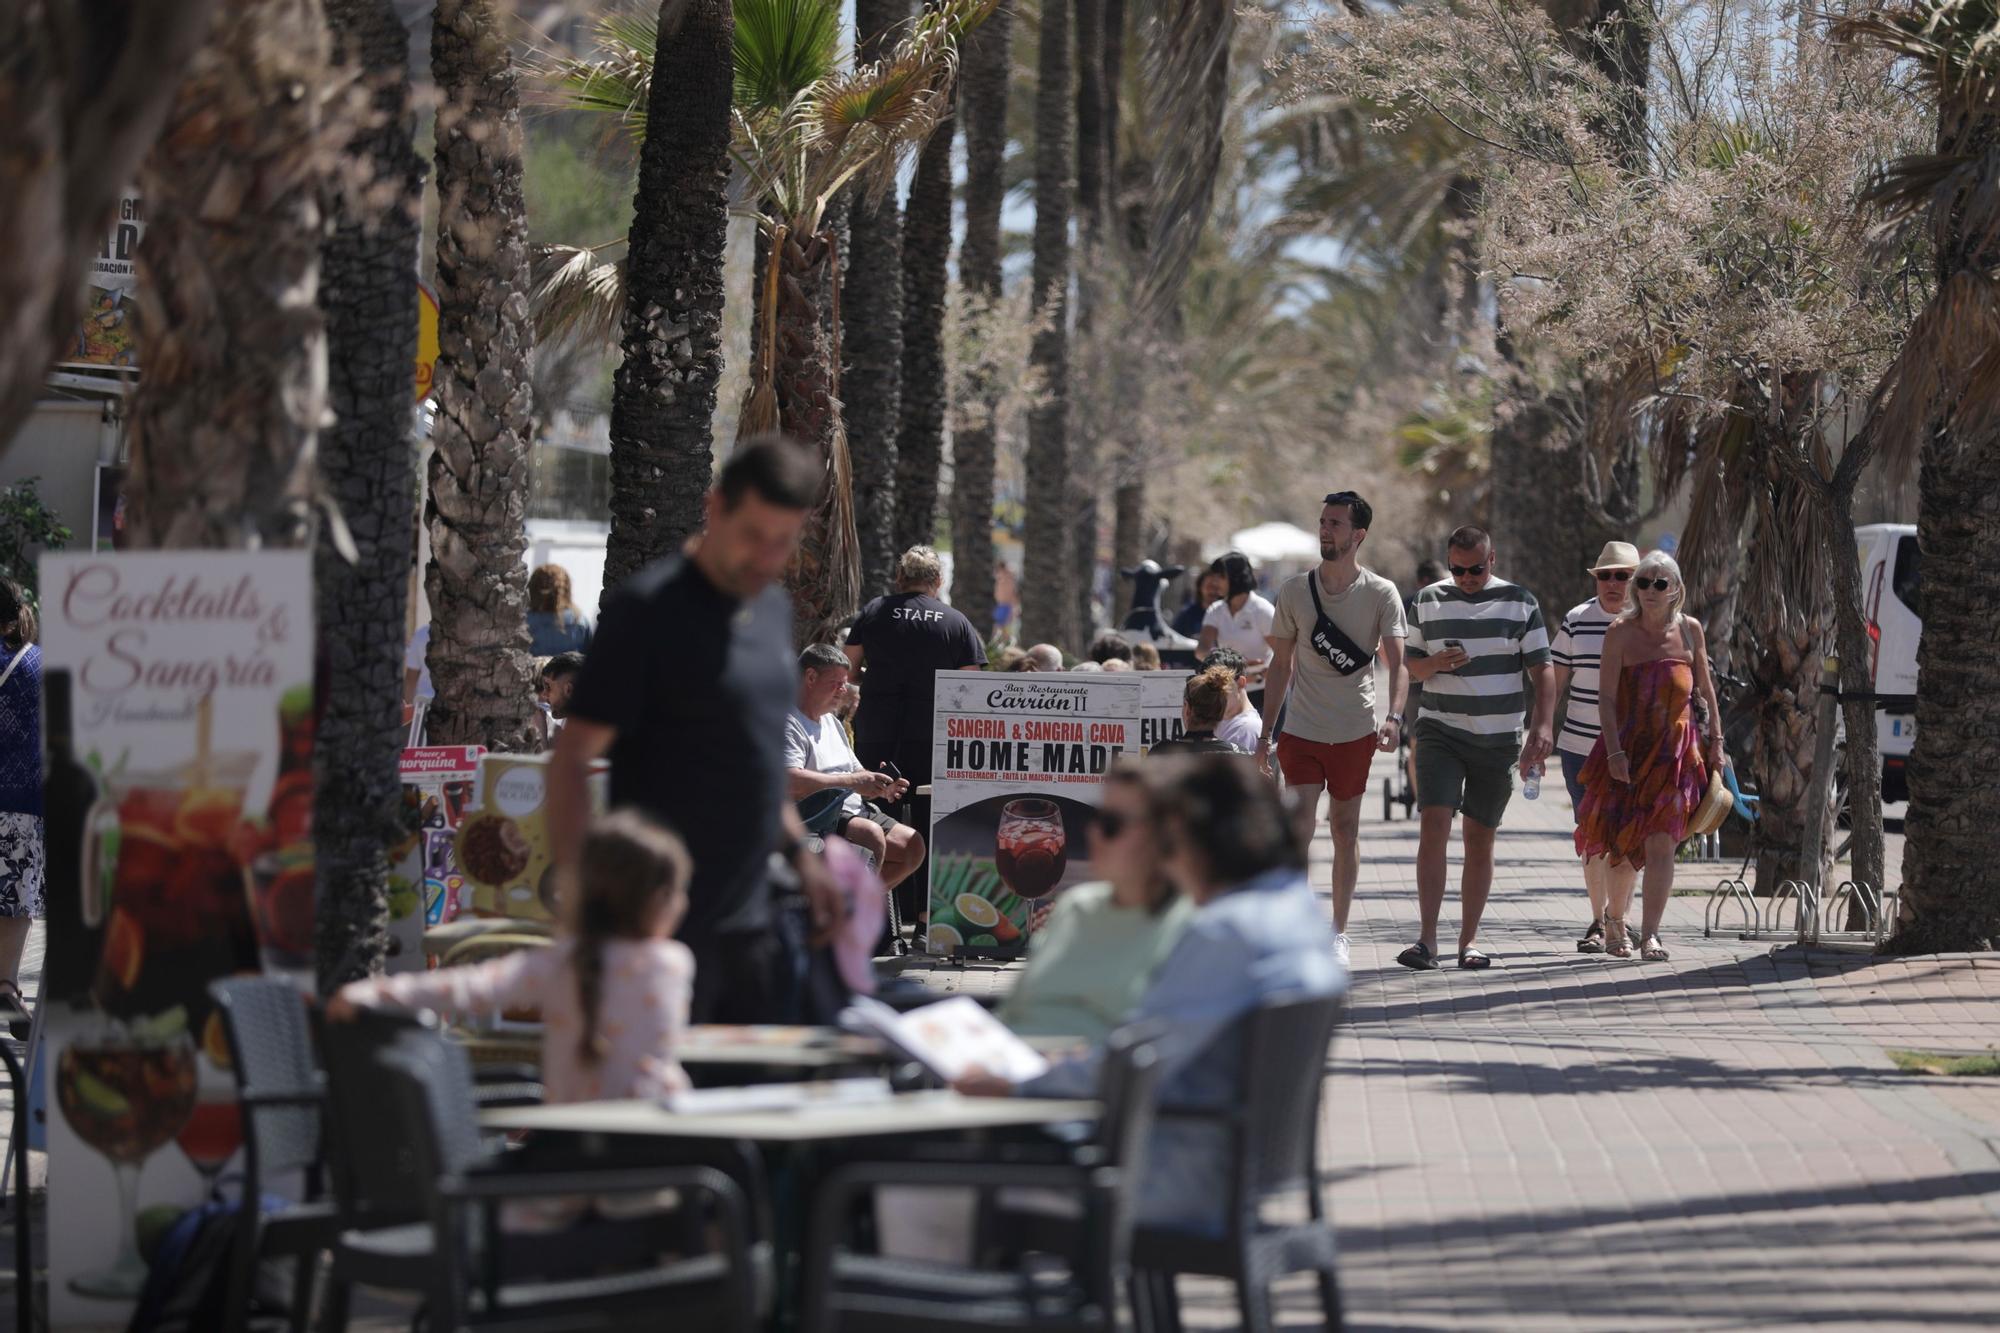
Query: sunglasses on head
x=1653 y=585
x=1110 y=823
x=1467 y=571
x=1607 y=575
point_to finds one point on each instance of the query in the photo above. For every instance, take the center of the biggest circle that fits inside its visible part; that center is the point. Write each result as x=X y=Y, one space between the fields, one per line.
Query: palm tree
x=1093 y=201
x=1187 y=90
x=663 y=397
x=68 y=157
x=478 y=492
x=871 y=298
x=1048 y=584
x=983 y=100
x=1940 y=404
x=805 y=131
x=367 y=468
x=223 y=424
x=922 y=393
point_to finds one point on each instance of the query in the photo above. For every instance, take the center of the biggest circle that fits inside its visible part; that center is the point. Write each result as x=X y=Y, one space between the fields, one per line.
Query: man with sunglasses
x=1329 y=626
x=1473 y=639
x=1579 y=646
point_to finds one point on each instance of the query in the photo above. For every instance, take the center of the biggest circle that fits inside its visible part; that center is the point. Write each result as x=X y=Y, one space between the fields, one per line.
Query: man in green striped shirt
x=1475 y=640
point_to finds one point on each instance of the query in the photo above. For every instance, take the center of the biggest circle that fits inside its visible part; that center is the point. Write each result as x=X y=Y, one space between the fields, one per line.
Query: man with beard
x=1329 y=626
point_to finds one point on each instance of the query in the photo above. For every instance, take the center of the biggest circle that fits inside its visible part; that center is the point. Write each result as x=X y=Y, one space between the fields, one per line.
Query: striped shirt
x=1500 y=627
x=1579 y=646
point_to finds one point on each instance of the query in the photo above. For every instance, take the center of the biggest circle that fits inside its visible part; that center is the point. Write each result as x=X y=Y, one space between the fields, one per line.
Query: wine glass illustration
x=214 y=1129
x=1031 y=847
x=127 y=1098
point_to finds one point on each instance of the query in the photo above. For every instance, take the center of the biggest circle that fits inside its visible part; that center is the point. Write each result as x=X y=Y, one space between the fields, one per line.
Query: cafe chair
x=282 y=1097
x=612 y=1275
x=1273 y=1137
x=1071 y=1288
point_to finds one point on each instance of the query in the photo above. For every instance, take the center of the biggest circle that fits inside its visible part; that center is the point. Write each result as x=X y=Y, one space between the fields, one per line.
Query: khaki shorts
x=1476 y=780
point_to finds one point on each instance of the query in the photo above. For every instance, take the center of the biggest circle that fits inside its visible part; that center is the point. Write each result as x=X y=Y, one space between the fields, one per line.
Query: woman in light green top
x=1089 y=963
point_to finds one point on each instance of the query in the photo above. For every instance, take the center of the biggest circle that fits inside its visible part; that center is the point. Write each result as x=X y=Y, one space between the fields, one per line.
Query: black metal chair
x=1273 y=1135
x=1073 y=1287
x=282 y=1097
x=597 y=1274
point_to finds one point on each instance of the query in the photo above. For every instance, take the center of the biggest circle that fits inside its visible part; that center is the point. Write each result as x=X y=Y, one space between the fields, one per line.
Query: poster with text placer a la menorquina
x=1020 y=762
x=179 y=729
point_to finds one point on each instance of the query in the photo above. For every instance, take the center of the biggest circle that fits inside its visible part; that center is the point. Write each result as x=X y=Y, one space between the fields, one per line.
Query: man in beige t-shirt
x=1324 y=681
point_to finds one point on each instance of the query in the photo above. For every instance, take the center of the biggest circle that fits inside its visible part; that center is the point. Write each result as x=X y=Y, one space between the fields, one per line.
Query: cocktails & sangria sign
x=1020 y=761
x=187 y=680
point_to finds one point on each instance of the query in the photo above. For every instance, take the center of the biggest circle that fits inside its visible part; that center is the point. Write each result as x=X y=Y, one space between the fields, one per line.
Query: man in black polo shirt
x=898 y=645
x=686 y=687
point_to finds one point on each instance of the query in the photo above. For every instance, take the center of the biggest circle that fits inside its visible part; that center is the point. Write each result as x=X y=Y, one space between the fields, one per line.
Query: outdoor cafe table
x=794 y=1133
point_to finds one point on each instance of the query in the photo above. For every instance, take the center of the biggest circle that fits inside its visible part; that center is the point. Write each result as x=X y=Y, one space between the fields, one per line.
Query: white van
x=1891 y=570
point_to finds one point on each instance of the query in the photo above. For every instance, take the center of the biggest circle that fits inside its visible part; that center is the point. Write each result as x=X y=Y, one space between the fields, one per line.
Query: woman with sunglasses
x=1646 y=774
x=1096 y=952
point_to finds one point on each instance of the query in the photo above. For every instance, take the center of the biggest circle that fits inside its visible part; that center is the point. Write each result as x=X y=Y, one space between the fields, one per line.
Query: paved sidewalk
x=1569 y=1142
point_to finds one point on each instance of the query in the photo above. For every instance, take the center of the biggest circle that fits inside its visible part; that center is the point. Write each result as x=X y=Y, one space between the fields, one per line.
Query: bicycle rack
x=1727 y=892
x=1874 y=920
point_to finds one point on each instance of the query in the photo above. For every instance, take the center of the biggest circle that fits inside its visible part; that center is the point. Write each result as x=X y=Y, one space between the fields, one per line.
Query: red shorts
x=1342 y=769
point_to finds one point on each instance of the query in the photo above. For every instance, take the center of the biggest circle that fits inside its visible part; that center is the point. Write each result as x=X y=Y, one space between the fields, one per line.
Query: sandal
x=1617 y=940
x=1419 y=957
x=1654 y=952
x=1593 y=939
x=1473 y=959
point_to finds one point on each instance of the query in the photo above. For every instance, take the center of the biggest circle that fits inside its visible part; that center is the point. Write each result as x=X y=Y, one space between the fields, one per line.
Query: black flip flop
x=1418 y=957
x=1473 y=959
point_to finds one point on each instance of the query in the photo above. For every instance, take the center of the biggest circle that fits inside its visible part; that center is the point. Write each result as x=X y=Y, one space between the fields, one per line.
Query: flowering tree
x=1701 y=262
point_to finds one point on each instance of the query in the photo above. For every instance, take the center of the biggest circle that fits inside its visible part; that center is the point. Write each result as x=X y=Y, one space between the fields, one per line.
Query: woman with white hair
x=1646 y=775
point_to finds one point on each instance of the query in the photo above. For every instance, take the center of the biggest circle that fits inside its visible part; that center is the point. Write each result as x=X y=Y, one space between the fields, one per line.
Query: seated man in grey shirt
x=828 y=781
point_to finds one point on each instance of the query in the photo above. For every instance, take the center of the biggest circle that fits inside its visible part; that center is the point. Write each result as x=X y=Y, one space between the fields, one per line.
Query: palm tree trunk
x=1545 y=523
x=478 y=493
x=1864 y=753
x=1048 y=585
x=1950 y=895
x=224 y=422
x=983 y=73
x=926 y=281
x=663 y=396
x=367 y=467
x=1133 y=218
x=871 y=301
x=1093 y=212
x=794 y=388
x=65 y=158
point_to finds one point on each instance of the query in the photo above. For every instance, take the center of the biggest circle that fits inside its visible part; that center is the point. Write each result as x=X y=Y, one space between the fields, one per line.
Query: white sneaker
x=1340 y=950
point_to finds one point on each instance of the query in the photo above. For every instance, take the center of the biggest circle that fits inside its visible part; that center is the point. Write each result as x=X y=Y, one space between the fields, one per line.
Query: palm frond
x=782 y=48
x=576 y=292
x=613 y=81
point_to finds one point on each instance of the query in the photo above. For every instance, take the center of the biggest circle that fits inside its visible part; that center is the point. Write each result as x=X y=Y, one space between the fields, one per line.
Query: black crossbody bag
x=1341 y=653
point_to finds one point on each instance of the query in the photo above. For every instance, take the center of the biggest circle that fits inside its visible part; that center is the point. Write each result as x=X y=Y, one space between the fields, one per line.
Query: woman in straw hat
x=1646 y=775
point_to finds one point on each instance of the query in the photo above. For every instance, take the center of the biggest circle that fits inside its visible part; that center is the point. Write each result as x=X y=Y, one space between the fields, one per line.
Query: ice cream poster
x=1019 y=765
x=105 y=337
x=181 y=786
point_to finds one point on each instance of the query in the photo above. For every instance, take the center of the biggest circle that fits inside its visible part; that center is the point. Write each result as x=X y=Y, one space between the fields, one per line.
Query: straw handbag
x=1714 y=808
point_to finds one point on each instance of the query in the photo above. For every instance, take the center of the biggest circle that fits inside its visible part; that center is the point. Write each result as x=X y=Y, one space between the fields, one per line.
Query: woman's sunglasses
x=1607 y=575
x=1467 y=571
x=1110 y=822
x=1653 y=585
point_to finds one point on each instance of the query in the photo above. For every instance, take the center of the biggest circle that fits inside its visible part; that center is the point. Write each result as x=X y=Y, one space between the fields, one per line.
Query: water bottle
x=1531 y=786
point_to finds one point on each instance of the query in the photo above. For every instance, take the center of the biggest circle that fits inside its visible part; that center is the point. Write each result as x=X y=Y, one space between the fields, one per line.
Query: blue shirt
x=550 y=633
x=1268 y=938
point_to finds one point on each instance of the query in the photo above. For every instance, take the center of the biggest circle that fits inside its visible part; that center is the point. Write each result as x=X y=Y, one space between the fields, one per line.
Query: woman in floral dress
x=1646 y=774
x=21 y=859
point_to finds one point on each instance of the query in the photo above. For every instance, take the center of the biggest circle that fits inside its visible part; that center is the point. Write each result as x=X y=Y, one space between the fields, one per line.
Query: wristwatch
x=1397 y=718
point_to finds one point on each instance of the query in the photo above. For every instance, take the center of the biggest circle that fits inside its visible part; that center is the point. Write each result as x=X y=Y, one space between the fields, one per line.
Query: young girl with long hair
x=613 y=988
